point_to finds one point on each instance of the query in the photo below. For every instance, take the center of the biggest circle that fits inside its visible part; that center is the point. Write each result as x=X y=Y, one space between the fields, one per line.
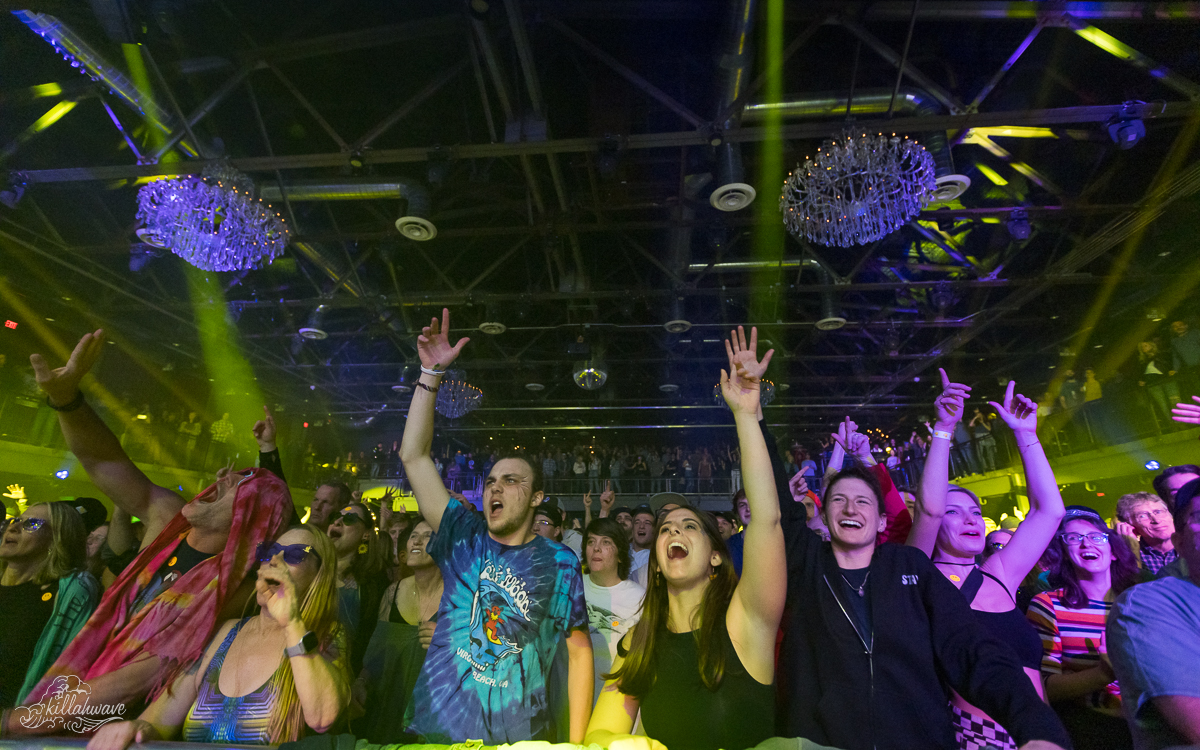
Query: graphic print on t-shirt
x=501 y=596
x=504 y=614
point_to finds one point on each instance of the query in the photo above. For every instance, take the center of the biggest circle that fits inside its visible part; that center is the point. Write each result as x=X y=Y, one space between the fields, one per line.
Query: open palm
x=433 y=345
x=61 y=384
x=741 y=391
x=743 y=355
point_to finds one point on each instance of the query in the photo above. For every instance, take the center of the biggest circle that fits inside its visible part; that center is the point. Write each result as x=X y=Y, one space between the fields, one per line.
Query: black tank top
x=1010 y=627
x=681 y=713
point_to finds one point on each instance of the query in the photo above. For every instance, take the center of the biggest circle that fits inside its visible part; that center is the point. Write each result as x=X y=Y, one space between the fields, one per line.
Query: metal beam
x=1011 y=61
x=405 y=109
x=203 y=110
x=1142 y=62
x=304 y=102
x=1109 y=236
x=671 y=140
x=887 y=53
x=628 y=74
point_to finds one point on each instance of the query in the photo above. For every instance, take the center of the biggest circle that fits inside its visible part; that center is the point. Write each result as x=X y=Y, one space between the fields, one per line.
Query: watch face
x=309 y=641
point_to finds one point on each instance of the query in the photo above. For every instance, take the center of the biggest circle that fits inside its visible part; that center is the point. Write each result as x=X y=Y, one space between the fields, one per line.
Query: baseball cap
x=549 y=511
x=92 y=511
x=623 y=509
x=644 y=508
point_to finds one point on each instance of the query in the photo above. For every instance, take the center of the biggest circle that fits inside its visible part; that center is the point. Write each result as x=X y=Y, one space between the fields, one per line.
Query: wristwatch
x=307 y=645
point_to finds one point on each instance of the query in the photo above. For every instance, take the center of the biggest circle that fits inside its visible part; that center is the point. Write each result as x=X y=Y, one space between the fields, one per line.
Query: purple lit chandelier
x=212 y=221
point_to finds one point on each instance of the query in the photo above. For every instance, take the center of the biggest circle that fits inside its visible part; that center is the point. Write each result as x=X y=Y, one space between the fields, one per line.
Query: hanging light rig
x=857 y=189
x=213 y=221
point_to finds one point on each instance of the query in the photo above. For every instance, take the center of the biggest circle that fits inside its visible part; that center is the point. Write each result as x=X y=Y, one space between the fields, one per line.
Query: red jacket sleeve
x=898 y=520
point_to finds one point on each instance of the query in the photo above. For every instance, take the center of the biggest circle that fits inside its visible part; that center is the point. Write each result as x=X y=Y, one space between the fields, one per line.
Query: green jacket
x=78 y=595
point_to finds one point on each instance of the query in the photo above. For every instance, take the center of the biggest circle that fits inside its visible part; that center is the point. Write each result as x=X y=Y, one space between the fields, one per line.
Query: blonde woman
x=284 y=668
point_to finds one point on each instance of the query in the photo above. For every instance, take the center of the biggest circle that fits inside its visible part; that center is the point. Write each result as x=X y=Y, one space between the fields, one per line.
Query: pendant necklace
x=859 y=589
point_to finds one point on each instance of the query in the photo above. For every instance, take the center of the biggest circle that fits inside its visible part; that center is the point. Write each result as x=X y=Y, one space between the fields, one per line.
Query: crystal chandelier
x=857 y=189
x=766 y=393
x=212 y=221
x=456 y=397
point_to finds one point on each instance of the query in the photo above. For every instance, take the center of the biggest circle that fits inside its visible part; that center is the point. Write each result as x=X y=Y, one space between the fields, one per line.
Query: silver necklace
x=859 y=589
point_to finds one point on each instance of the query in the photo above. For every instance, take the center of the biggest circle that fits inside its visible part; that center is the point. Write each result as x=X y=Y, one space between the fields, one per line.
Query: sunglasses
x=348 y=516
x=28 y=524
x=996 y=545
x=293 y=554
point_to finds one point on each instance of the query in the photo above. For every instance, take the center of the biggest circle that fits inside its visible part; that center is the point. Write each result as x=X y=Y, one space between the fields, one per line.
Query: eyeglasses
x=996 y=545
x=1146 y=515
x=348 y=516
x=293 y=554
x=1095 y=537
x=28 y=524
x=544 y=523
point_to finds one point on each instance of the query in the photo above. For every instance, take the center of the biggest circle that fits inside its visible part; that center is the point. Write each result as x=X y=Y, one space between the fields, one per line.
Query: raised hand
x=607 y=498
x=741 y=392
x=386 y=501
x=587 y=501
x=1018 y=412
x=799 y=486
x=264 y=431
x=949 y=404
x=15 y=492
x=853 y=442
x=1187 y=413
x=61 y=384
x=433 y=345
x=744 y=356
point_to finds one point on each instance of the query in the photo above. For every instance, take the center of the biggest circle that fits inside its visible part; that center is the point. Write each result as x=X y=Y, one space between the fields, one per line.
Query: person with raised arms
x=875 y=637
x=510 y=596
x=191 y=574
x=700 y=664
x=948 y=526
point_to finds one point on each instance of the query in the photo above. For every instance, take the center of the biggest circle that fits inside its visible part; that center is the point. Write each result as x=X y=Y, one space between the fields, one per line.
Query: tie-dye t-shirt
x=503 y=614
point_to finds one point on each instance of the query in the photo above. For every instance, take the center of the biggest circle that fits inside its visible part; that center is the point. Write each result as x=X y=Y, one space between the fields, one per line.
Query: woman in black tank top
x=700 y=663
x=948 y=525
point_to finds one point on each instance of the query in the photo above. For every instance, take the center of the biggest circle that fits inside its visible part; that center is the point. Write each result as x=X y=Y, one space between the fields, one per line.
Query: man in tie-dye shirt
x=512 y=598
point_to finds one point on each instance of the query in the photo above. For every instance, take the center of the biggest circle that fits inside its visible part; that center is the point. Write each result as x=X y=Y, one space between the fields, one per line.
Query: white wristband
x=436 y=373
x=941 y=434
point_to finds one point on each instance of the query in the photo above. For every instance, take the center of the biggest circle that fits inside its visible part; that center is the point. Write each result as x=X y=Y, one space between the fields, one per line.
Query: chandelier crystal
x=456 y=397
x=212 y=221
x=857 y=189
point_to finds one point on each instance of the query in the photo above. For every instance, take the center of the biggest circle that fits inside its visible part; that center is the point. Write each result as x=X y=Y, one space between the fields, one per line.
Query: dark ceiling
x=568 y=150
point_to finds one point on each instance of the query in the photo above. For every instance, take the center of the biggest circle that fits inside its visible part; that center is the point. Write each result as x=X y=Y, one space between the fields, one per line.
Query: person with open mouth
x=360 y=577
x=265 y=679
x=875 y=635
x=511 y=597
x=700 y=663
x=948 y=525
x=1091 y=566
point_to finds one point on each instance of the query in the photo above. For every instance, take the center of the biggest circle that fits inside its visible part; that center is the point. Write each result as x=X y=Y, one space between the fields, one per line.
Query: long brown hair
x=636 y=676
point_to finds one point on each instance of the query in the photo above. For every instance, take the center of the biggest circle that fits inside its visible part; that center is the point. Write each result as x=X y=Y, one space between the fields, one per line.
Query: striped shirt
x=1071 y=641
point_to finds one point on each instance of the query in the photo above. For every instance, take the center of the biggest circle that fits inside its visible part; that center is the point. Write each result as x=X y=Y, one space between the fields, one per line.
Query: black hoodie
x=835 y=690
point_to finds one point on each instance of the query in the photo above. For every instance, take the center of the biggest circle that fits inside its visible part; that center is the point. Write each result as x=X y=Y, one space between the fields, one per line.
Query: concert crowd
x=852 y=597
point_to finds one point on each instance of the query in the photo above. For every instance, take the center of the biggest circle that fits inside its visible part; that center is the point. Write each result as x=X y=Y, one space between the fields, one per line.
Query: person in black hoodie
x=874 y=638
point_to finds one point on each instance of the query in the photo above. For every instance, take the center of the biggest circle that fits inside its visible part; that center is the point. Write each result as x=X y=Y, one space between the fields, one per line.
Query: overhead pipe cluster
x=732 y=192
x=414 y=224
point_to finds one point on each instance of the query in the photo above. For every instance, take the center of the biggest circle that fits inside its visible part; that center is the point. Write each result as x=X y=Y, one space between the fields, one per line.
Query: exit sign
x=10 y=324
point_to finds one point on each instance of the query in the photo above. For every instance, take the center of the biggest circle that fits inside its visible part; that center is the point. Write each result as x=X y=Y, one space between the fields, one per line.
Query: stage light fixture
x=1018 y=224
x=1126 y=128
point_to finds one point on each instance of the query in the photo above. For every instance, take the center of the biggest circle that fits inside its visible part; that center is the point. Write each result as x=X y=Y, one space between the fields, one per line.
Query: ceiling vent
x=949 y=187
x=678 y=326
x=492 y=328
